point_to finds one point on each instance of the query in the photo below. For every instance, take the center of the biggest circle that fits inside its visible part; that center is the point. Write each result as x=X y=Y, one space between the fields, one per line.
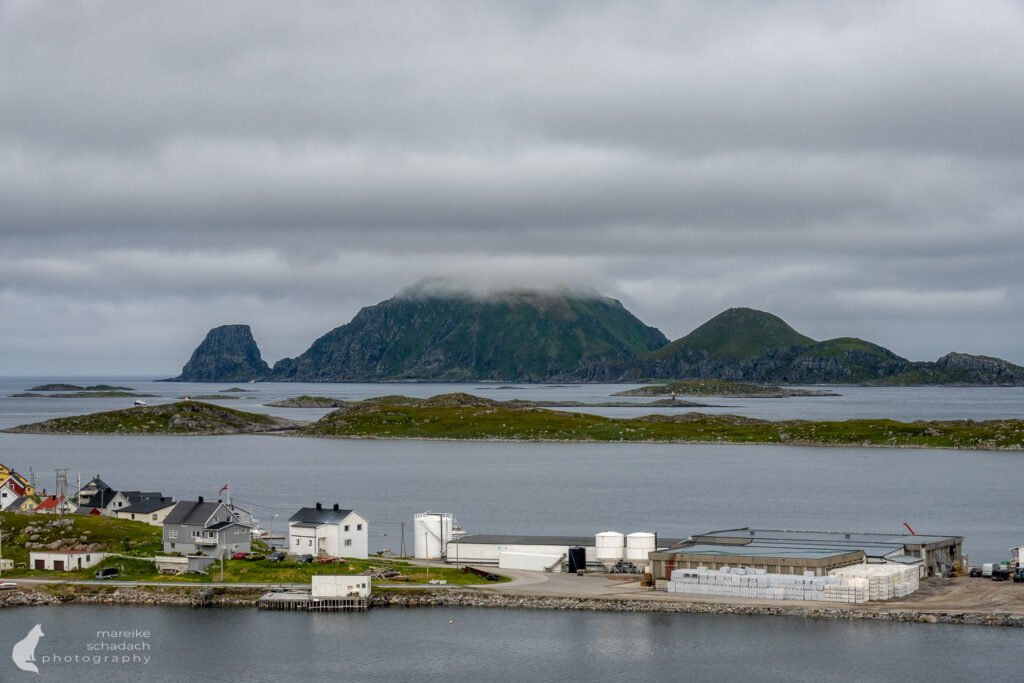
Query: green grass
x=437 y=419
x=115 y=535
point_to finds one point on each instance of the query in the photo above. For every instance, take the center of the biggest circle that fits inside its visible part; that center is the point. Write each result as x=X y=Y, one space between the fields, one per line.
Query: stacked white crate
x=757 y=584
x=884 y=581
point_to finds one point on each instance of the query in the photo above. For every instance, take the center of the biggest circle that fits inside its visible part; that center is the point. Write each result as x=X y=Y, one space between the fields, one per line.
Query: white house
x=63 y=560
x=150 y=510
x=332 y=532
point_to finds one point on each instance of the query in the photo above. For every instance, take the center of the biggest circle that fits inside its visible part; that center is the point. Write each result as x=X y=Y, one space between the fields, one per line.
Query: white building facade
x=330 y=532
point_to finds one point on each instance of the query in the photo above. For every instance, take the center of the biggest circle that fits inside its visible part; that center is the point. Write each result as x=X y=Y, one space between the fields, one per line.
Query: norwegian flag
x=222 y=489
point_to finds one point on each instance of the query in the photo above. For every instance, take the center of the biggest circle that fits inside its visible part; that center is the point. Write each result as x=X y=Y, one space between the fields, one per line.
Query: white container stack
x=852 y=585
x=884 y=581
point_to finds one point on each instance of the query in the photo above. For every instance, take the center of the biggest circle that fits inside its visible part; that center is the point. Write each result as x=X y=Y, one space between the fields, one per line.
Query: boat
x=140 y=402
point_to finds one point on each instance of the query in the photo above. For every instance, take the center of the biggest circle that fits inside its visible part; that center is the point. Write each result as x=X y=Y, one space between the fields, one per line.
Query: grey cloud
x=165 y=167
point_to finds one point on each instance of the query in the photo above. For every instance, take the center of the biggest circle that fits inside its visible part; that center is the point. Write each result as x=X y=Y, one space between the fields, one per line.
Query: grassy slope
x=438 y=419
x=116 y=535
x=736 y=334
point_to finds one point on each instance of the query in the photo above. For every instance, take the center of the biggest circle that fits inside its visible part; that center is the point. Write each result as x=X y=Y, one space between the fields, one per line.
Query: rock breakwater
x=496 y=600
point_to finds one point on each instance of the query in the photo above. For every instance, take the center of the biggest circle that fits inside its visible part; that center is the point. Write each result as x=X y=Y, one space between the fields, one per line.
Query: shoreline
x=210 y=597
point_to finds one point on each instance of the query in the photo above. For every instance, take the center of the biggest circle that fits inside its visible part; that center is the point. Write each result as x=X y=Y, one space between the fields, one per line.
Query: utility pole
x=62 y=489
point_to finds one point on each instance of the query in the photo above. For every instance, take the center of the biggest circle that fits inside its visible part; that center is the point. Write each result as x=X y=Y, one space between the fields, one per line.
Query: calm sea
x=675 y=490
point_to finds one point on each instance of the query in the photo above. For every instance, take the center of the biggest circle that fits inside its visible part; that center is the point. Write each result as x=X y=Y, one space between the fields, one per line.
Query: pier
x=305 y=602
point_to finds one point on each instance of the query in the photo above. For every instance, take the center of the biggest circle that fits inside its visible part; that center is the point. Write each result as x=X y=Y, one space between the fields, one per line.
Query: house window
x=359 y=527
x=311 y=541
x=172 y=534
x=154 y=518
x=133 y=515
x=348 y=541
x=172 y=546
x=346 y=527
x=195 y=533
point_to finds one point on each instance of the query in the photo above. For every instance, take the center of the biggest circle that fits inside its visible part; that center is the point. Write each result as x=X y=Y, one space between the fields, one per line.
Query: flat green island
x=324 y=402
x=717 y=387
x=467 y=417
x=182 y=418
x=86 y=394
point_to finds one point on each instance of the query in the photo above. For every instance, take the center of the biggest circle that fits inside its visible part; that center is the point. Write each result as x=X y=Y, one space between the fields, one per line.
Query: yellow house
x=22 y=481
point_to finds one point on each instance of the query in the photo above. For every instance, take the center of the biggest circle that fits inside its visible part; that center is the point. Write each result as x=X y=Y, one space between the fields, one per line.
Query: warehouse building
x=540 y=553
x=796 y=552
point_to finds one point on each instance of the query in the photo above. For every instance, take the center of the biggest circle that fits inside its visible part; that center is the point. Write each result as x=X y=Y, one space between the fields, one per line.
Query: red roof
x=49 y=503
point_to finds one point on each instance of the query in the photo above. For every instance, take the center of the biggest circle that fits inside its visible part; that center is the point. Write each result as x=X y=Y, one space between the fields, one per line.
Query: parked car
x=975 y=571
x=325 y=560
x=7 y=585
x=278 y=557
x=492 y=577
x=303 y=559
x=239 y=556
x=107 y=573
x=254 y=556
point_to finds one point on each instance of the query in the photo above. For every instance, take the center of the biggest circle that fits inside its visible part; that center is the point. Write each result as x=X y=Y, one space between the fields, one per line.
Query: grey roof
x=305 y=525
x=499 y=539
x=859 y=540
x=97 y=483
x=320 y=515
x=190 y=512
x=147 y=505
x=141 y=495
x=755 y=549
x=904 y=559
x=102 y=498
x=86 y=510
x=221 y=525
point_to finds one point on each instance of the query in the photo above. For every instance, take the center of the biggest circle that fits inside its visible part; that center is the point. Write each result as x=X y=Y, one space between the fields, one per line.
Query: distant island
x=436 y=332
x=75 y=387
x=323 y=402
x=187 y=418
x=85 y=394
x=467 y=417
x=703 y=387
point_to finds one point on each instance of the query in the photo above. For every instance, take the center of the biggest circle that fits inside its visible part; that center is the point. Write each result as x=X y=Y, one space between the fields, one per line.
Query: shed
x=63 y=560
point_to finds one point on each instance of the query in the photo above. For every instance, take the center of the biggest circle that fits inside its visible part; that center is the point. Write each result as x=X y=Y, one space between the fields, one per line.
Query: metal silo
x=639 y=546
x=432 y=531
x=610 y=548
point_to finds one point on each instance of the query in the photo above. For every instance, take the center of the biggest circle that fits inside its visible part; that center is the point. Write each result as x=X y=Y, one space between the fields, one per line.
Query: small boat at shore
x=140 y=402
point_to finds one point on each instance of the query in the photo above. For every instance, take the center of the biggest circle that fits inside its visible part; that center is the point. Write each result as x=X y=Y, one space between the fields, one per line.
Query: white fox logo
x=24 y=653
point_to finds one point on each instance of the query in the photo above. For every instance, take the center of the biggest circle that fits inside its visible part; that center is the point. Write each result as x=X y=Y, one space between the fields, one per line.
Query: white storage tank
x=610 y=547
x=432 y=531
x=639 y=546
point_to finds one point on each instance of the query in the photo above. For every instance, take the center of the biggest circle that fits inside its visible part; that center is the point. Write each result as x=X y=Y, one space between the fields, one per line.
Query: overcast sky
x=855 y=168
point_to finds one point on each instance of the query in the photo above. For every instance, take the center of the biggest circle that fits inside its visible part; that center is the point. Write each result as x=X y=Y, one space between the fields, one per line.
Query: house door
x=58 y=565
x=40 y=564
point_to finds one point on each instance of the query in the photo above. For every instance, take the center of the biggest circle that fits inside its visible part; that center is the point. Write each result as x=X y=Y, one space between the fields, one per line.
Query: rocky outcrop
x=227 y=354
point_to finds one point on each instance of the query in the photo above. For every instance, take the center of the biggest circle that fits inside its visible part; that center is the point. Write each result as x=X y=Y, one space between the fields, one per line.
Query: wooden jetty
x=304 y=602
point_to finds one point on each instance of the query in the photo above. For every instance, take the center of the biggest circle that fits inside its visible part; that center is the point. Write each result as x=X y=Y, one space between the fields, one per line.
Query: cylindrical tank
x=639 y=546
x=431 y=531
x=610 y=547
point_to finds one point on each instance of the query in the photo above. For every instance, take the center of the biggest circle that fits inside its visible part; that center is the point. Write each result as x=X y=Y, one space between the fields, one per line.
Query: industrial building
x=551 y=553
x=817 y=552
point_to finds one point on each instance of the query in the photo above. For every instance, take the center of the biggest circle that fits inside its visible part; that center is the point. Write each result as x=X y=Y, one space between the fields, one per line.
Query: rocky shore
x=235 y=597
x=486 y=599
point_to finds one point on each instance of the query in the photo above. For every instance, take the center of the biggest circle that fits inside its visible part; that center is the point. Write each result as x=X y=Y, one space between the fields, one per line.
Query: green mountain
x=744 y=345
x=426 y=333
x=436 y=332
x=736 y=334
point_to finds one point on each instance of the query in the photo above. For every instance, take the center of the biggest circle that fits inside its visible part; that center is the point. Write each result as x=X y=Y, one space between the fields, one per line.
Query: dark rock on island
x=228 y=354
